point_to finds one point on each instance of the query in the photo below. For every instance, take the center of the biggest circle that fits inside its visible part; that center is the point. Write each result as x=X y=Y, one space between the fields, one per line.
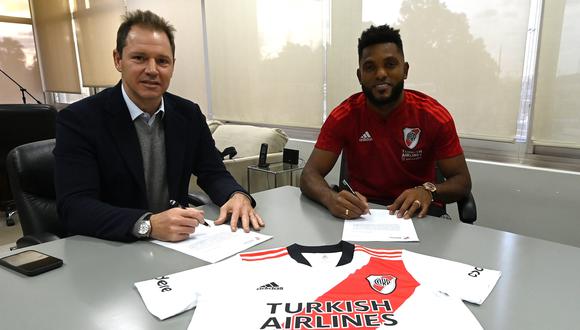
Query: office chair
x=20 y=124
x=31 y=174
x=466 y=207
x=198 y=199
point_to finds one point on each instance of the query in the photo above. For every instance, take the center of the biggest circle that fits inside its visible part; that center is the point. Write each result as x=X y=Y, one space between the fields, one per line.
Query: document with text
x=379 y=226
x=215 y=243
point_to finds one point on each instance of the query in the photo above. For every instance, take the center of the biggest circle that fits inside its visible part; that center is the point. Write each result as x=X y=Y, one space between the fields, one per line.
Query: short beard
x=395 y=94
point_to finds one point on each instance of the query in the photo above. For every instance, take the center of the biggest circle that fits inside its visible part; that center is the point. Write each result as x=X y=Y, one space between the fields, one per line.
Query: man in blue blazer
x=124 y=153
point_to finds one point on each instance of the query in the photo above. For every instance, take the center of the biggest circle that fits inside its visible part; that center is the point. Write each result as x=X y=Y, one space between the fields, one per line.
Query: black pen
x=344 y=182
x=174 y=203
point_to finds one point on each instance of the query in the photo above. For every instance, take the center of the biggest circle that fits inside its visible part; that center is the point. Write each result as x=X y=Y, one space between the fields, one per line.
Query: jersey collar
x=295 y=252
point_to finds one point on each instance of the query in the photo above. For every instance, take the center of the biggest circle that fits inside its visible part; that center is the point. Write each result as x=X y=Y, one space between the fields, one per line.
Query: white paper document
x=379 y=226
x=215 y=243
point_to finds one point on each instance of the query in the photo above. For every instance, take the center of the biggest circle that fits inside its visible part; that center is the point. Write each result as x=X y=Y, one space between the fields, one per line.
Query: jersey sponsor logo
x=384 y=284
x=270 y=286
x=411 y=154
x=365 y=137
x=411 y=136
x=332 y=314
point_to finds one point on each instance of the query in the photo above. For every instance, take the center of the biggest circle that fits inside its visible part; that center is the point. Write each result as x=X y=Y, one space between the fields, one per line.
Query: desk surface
x=94 y=289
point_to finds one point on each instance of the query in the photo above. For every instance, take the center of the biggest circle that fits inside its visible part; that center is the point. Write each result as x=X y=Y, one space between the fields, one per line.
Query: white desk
x=94 y=289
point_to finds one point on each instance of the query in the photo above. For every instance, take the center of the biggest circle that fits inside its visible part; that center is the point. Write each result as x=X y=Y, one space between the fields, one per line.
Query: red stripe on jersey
x=385 y=257
x=431 y=105
x=385 y=251
x=343 y=109
x=270 y=256
x=261 y=253
x=377 y=289
x=390 y=254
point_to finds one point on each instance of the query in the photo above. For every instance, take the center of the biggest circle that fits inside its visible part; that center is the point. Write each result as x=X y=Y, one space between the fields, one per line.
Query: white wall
x=530 y=201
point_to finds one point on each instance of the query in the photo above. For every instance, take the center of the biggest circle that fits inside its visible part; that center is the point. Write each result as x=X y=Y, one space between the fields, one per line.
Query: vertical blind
x=270 y=61
x=189 y=79
x=289 y=62
x=454 y=56
x=54 y=42
x=97 y=23
x=266 y=61
x=556 y=120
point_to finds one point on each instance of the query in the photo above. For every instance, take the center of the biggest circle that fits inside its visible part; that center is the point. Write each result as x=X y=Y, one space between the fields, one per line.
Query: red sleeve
x=447 y=144
x=331 y=137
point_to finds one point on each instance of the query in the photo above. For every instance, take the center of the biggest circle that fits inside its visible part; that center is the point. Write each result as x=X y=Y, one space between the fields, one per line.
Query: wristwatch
x=144 y=227
x=430 y=187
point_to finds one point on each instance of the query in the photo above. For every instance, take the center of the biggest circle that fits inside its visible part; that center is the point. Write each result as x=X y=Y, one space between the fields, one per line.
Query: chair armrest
x=467 y=209
x=198 y=198
x=30 y=240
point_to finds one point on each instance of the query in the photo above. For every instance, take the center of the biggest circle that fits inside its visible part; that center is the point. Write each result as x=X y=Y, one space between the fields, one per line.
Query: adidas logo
x=270 y=286
x=365 y=137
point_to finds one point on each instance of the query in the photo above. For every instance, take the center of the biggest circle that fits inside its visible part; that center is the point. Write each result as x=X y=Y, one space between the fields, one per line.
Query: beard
x=396 y=92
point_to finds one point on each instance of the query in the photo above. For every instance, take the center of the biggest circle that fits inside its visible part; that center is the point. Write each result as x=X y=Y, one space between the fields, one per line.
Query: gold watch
x=430 y=187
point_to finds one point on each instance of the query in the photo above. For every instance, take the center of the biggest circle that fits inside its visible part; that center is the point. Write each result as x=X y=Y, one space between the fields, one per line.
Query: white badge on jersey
x=384 y=284
x=411 y=136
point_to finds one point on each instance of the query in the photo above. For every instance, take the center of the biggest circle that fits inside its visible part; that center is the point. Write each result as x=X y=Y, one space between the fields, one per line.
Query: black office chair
x=198 y=199
x=20 y=124
x=31 y=174
x=466 y=207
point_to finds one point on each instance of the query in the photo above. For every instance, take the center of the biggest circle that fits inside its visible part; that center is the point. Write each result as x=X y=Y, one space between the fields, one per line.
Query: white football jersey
x=341 y=286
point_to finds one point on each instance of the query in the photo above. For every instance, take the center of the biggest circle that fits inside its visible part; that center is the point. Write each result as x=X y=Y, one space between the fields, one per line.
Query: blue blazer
x=99 y=176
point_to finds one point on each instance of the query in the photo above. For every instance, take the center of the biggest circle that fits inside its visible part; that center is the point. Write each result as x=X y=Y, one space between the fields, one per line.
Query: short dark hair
x=146 y=19
x=379 y=35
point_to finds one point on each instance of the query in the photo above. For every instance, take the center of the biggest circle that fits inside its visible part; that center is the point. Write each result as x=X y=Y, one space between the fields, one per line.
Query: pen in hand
x=345 y=183
x=174 y=203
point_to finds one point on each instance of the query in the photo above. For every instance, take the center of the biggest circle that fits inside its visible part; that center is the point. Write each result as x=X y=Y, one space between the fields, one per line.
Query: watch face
x=429 y=186
x=144 y=227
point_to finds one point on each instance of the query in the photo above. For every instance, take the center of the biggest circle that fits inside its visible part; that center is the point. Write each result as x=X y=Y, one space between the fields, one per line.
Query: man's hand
x=175 y=224
x=347 y=206
x=240 y=207
x=410 y=201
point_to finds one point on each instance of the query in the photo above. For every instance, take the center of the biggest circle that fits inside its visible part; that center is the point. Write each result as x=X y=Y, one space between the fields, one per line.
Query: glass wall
x=454 y=56
x=266 y=61
x=291 y=62
x=18 y=53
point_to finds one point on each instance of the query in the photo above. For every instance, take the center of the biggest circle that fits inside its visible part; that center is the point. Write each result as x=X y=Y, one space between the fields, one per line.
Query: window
x=266 y=61
x=556 y=121
x=18 y=54
x=473 y=70
x=291 y=62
